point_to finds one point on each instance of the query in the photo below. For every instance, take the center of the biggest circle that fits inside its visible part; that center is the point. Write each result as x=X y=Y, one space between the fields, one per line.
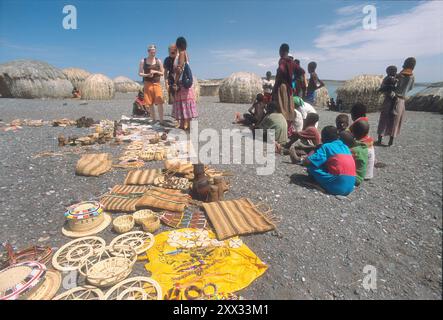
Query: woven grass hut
x=429 y=99
x=98 y=87
x=321 y=97
x=240 y=87
x=210 y=87
x=33 y=79
x=363 y=89
x=125 y=85
x=76 y=76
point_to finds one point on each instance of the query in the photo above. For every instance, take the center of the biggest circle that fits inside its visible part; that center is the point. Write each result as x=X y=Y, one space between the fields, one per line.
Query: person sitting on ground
x=314 y=82
x=331 y=105
x=332 y=165
x=304 y=141
x=274 y=120
x=255 y=113
x=76 y=93
x=358 y=112
x=303 y=107
x=359 y=152
x=360 y=132
x=342 y=122
x=268 y=85
x=139 y=109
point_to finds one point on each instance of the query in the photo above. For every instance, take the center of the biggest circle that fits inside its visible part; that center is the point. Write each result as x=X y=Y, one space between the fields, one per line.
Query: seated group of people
x=337 y=159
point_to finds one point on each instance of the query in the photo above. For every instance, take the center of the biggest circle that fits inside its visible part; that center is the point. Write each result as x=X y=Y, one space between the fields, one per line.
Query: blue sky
x=227 y=36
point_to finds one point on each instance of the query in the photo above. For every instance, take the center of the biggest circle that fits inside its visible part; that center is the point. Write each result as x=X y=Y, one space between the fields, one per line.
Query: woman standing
x=151 y=69
x=391 y=117
x=184 y=108
x=282 y=91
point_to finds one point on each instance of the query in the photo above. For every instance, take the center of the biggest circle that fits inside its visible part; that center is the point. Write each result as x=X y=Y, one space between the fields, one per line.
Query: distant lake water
x=332 y=86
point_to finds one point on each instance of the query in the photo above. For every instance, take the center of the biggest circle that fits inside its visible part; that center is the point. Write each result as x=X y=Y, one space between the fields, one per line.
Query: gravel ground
x=393 y=222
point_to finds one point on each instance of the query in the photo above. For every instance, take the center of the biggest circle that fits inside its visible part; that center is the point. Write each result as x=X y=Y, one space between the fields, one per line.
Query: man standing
x=168 y=65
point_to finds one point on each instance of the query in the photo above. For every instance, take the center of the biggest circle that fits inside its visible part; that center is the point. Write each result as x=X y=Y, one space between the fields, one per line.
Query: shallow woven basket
x=109 y=267
x=123 y=223
x=151 y=224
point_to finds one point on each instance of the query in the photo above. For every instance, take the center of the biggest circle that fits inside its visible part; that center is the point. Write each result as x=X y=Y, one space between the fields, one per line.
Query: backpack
x=187 y=76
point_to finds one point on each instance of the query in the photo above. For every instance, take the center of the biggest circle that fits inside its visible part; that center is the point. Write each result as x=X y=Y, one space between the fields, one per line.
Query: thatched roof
x=98 y=87
x=76 y=76
x=125 y=85
x=33 y=79
x=240 y=87
x=428 y=99
x=363 y=89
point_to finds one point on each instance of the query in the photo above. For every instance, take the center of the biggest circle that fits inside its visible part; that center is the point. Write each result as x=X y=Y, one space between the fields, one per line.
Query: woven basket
x=151 y=224
x=109 y=266
x=123 y=223
x=142 y=214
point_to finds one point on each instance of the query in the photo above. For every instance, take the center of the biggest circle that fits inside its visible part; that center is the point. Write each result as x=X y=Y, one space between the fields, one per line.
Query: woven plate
x=95 y=227
x=35 y=253
x=17 y=281
x=49 y=287
x=137 y=288
x=138 y=240
x=81 y=293
x=71 y=255
x=109 y=266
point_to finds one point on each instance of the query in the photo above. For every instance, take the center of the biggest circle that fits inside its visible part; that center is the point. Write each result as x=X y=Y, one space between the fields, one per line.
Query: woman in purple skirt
x=184 y=108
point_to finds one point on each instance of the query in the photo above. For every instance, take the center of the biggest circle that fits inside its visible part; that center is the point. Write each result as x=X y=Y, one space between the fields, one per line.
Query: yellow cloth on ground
x=184 y=260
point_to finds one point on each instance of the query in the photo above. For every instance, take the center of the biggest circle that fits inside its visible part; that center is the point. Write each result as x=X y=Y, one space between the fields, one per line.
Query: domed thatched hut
x=428 y=99
x=76 y=76
x=125 y=85
x=98 y=87
x=321 y=97
x=209 y=87
x=363 y=89
x=33 y=79
x=240 y=87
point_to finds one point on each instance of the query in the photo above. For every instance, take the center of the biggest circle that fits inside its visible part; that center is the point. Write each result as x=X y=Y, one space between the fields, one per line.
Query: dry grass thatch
x=429 y=99
x=125 y=85
x=76 y=76
x=321 y=97
x=209 y=87
x=363 y=89
x=240 y=87
x=98 y=87
x=33 y=79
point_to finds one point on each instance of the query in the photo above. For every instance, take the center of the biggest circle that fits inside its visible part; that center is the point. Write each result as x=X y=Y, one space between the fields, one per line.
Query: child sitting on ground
x=342 y=122
x=256 y=112
x=358 y=112
x=138 y=107
x=360 y=132
x=359 y=153
x=332 y=165
x=304 y=141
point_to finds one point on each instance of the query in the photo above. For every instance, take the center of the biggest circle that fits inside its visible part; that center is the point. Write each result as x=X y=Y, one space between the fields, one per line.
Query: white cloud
x=347 y=49
x=417 y=32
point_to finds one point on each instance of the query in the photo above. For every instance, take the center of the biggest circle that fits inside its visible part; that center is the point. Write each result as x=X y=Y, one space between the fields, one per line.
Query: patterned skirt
x=184 y=106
